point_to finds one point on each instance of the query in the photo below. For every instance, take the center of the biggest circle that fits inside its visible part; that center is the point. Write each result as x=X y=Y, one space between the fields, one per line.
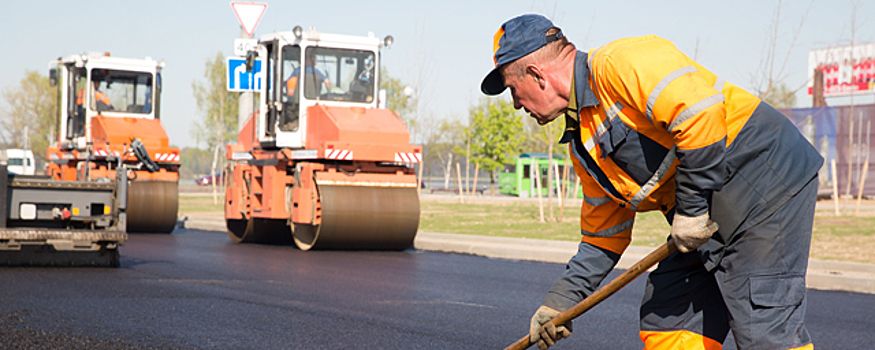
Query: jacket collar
x=581 y=97
x=585 y=96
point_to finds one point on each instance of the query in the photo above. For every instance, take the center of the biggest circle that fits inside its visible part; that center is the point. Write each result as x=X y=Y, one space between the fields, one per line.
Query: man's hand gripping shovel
x=605 y=291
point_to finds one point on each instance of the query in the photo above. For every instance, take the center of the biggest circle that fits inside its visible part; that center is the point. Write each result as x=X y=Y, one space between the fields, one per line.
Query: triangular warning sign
x=248 y=13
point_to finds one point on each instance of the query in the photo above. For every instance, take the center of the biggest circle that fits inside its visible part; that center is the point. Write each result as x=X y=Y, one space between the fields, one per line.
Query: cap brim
x=493 y=83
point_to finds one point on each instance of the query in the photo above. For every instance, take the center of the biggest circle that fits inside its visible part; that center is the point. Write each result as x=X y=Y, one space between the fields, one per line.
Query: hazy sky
x=445 y=45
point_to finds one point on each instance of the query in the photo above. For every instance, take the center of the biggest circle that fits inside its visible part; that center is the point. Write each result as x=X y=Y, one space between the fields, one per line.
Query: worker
x=311 y=72
x=147 y=104
x=99 y=102
x=650 y=129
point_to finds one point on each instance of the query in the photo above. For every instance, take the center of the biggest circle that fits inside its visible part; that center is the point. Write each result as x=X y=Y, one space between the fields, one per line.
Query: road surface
x=196 y=290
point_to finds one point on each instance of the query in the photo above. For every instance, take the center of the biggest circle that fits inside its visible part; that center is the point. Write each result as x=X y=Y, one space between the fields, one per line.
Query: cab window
x=290 y=69
x=114 y=90
x=338 y=74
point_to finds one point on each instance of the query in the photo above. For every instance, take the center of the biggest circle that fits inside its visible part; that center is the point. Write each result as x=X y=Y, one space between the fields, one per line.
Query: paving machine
x=49 y=222
x=105 y=103
x=320 y=163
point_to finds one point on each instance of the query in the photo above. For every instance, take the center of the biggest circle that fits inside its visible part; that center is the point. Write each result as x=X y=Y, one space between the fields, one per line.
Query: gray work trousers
x=757 y=290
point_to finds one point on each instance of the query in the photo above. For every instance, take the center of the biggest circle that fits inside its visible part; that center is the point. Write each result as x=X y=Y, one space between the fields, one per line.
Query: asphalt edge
x=822 y=275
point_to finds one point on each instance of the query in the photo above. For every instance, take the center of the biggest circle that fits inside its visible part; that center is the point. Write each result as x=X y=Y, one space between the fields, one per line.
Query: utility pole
x=247 y=98
x=817 y=91
x=248 y=14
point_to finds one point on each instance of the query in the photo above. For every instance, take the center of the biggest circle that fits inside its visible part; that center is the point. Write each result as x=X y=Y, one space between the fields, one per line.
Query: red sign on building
x=846 y=69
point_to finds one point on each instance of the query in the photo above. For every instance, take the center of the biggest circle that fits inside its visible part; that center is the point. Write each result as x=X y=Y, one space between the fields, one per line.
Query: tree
x=779 y=96
x=496 y=133
x=197 y=163
x=31 y=114
x=543 y=139
x=768 y=80
x=441 y=144
x=400 y=97
x=219 y=108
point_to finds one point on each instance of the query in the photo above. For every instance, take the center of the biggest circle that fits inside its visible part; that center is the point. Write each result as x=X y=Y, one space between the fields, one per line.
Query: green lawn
x=841 y=238
x=200 y=203
x=512 y=218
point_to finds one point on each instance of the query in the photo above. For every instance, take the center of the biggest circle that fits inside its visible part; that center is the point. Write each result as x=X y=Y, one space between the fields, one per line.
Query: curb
x=202 y=223
x=513 y=248
x=822 y=275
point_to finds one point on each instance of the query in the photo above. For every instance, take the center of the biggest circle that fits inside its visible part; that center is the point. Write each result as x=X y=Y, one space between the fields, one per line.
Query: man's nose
x=516 y=103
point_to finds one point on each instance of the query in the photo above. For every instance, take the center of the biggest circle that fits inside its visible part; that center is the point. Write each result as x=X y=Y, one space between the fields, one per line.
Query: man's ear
x=537 y=74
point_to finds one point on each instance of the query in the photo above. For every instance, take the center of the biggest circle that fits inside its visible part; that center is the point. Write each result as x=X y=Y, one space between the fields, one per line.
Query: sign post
x=248 y=14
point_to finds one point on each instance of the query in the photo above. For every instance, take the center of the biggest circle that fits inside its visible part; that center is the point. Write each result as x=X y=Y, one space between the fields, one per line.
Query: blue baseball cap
x=516 y=38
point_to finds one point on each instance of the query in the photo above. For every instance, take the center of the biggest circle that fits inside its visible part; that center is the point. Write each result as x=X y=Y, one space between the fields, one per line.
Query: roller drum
x=152 y=206
x=362 y=217
x=254 y=230
x=237 y=230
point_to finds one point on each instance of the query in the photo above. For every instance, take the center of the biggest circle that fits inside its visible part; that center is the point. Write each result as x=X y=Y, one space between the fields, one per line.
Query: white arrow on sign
x=241 y=80
x=248 y=13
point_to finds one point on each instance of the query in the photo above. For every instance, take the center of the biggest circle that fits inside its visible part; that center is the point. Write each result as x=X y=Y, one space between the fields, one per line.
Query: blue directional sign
x=241 y=80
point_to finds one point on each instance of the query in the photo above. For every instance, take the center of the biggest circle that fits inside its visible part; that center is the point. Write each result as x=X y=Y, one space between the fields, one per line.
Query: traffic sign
x=248 y=13
x=241 y=80
x=244 y=45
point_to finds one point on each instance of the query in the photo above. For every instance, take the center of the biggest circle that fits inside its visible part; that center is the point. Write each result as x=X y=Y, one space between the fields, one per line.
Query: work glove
x=543 y=332
x=690 y=232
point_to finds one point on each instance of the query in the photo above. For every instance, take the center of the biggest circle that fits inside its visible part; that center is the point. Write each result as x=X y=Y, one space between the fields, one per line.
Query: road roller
x=322 y=163
x=105 y=104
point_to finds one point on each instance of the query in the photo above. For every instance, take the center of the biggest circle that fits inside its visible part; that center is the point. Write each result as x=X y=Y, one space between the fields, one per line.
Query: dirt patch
x=832 y=221
x=854 y=248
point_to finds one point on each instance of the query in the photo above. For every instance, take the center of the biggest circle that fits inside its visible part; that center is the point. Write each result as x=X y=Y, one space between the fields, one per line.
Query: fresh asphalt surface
x=196 y=289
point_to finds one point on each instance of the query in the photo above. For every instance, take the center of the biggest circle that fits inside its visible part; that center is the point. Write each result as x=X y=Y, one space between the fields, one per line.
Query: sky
x=443 y=48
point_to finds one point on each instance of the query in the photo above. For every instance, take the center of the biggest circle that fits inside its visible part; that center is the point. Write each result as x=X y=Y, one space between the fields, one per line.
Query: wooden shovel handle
x=605 y=291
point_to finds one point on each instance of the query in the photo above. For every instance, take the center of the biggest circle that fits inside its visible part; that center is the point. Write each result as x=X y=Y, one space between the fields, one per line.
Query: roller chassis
x=46 y=222
x=41 y=247
x=323 y=204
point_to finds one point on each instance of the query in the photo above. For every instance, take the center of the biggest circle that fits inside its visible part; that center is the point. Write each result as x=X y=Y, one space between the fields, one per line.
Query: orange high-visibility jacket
x=654 y=130
x=98 y=96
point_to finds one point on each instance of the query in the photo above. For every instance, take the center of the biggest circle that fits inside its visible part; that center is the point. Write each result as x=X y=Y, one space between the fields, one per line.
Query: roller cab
x=321 y=164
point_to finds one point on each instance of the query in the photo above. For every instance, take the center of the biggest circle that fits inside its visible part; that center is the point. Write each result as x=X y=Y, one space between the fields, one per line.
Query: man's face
x=529 y=93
